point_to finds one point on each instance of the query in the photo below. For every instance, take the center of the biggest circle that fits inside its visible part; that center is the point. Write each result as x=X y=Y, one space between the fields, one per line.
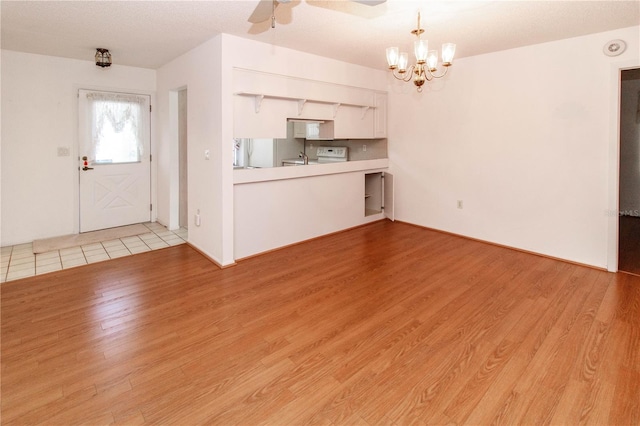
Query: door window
x=118 y=130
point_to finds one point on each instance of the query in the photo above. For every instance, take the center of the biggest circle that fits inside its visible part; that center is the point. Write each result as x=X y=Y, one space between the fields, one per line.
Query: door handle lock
x=85 y=164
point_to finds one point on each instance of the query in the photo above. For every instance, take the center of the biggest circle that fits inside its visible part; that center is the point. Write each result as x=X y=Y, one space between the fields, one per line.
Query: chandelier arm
x=407 y=74
x=435 y=76
x=424 y=72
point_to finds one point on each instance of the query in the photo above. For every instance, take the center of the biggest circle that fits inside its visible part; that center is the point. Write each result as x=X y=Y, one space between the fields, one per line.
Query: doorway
x=114 y=159
x=183 y=219
x=629 y=192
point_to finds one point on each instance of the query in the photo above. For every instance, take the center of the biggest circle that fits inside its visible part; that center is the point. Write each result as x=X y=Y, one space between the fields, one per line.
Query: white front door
x=114 y=154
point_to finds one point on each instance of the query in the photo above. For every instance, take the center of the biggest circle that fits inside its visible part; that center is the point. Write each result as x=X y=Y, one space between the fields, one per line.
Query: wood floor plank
x=436 y=392
x=625 y=401
x=384 y=324
x=471 y=391
x=442 y=372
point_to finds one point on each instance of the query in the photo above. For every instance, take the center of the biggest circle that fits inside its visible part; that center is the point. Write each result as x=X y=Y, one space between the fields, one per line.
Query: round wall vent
x=614 y=47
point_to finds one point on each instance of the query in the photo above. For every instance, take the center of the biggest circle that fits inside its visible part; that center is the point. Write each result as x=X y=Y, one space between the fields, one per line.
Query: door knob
x=85 y=164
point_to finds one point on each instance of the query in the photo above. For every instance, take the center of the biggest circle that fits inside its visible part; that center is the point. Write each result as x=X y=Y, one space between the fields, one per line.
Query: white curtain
x=117 y=126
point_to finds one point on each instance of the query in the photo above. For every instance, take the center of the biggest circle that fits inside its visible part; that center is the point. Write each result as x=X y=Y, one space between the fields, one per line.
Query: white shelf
x=301 y=102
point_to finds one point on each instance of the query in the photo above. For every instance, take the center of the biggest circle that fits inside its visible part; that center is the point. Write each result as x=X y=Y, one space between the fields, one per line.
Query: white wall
x=252 y=55
x=522 y=138
x=199 y=71
x=207 y=73
x=39 y=114
x=278 y=213
x=630 y=148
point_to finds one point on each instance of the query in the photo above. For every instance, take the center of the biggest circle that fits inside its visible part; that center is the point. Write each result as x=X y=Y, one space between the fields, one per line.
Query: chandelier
x=426 y=66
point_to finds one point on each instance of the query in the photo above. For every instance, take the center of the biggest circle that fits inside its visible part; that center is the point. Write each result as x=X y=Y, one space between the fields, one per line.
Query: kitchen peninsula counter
x=243 y=176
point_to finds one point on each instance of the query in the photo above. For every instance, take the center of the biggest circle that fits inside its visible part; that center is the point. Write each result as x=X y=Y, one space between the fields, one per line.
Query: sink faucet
x=305 y=157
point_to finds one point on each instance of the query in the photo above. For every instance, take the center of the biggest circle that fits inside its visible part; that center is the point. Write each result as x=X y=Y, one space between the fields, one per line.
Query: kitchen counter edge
x=242 y=176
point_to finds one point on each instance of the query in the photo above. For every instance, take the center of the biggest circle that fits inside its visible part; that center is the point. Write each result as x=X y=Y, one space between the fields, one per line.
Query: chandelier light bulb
x=448 y=50
x=432 y=60
x=421 y=47
x=392 y=57
x=403 y=61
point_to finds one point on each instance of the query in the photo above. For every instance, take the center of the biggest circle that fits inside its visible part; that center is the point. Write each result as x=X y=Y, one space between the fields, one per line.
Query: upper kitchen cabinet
x=354 y=122
x=380 y=115
x=264 y=102
x=258 y=117
x=313 y=130
x=300 y=130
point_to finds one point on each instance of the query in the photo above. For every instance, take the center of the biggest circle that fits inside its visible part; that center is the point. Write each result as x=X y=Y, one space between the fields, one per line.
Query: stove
x=332 y=154
x=325 y=154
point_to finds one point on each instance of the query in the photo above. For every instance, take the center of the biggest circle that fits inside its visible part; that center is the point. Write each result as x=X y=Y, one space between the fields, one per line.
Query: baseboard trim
x=307 y=240
x=586 y=265
x=209 y=258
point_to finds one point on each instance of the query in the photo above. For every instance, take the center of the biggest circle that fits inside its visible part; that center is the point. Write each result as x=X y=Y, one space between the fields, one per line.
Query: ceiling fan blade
x=370 y=2
x=263 y=11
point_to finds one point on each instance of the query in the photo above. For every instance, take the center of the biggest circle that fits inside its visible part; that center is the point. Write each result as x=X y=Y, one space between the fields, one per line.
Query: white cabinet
x=380 y=115
x=378 y=194
x=255 y=117
x=353 y=122
x=263 y=102
x=313 y=130
x=299 y=130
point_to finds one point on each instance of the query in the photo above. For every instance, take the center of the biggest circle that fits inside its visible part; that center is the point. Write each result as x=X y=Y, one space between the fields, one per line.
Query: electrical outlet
x=364 y=148
x=64 y=151
x=460 y=204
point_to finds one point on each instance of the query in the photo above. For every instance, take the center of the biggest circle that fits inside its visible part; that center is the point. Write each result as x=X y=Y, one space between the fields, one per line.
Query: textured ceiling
x=151 y=33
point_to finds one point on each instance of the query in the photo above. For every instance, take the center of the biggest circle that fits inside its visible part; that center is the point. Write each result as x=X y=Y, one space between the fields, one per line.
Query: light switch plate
x=64 y=151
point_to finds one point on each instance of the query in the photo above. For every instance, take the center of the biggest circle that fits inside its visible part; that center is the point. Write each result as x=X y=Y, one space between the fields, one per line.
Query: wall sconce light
x=103 y=57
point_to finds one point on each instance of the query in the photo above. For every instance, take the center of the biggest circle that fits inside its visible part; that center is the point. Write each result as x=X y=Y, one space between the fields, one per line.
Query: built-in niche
x=378 y=194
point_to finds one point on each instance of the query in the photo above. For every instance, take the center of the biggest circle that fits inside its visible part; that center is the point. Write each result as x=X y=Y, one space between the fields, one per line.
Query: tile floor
x=20 y=262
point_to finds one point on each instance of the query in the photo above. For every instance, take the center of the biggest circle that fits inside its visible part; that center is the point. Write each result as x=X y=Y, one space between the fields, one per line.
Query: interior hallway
x=629 y=245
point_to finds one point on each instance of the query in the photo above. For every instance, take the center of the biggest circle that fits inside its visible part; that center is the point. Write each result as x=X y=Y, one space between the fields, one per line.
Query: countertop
x=242 y=176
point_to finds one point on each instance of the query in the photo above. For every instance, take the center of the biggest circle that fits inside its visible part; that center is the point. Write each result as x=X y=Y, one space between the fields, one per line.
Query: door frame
x=613 y=204
x=76 y=147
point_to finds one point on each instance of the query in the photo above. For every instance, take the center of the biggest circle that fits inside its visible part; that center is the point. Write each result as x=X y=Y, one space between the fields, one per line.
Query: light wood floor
x=384 y=324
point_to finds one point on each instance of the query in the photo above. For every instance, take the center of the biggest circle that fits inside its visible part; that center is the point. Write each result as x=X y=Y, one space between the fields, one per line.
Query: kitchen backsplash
x=375 y=148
